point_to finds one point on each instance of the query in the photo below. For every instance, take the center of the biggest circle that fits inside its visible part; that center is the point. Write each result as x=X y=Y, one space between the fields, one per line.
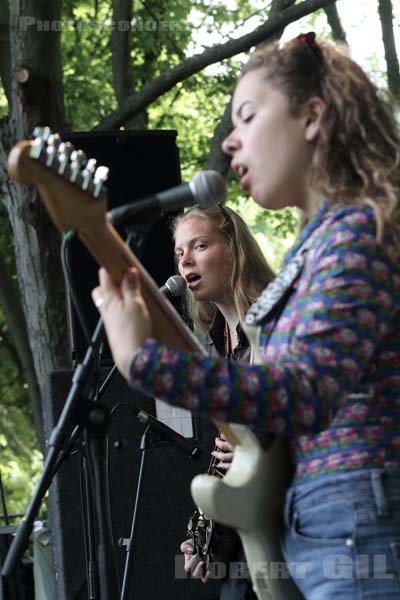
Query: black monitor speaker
x=141 y=163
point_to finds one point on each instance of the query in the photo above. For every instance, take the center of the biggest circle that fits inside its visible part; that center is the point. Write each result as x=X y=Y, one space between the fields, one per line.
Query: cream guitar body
x=250 y=498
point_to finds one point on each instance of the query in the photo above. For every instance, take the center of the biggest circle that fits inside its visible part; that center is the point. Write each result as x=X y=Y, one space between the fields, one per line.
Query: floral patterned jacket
x=330 y=376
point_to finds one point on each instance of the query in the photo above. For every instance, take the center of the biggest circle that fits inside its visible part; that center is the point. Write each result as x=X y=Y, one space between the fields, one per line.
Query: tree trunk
x=393 y=75
x=37 y=99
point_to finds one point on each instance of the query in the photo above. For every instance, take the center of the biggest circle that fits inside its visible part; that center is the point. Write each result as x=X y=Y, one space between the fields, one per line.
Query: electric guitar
x=73 y=192
x=250 y=499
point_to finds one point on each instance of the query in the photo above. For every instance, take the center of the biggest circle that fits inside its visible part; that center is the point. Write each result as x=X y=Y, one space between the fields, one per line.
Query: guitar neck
x=72 y=208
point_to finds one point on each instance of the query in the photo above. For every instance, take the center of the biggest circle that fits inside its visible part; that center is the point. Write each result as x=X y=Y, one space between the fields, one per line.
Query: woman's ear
x=314 y=110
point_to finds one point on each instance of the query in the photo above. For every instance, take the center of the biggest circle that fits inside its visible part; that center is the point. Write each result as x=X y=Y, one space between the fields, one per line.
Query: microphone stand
x=161 y=431
x=93 y=417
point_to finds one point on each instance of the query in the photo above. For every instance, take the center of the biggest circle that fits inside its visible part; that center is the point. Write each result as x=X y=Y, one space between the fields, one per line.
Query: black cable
x=70 y=284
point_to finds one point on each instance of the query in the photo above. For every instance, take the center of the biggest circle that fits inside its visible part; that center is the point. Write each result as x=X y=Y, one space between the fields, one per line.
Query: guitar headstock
x=70 y=184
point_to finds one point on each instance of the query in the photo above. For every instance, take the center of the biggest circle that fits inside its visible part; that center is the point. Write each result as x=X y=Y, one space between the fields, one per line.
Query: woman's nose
x=186 y=259
x=230 y=143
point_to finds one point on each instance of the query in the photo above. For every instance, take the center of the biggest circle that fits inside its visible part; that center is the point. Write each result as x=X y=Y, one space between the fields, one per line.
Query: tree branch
x=121 y=50
x=335 y=23
x=385 y=9
x=167 y=80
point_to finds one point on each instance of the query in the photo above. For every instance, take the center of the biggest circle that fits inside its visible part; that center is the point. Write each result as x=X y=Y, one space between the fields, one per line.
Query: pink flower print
x=164 y=382
x=221 y=395
x=306 y=414
x=324 y=356
x=360 y=288
x=350 y=366
x=141 y=360
x=306 y=368
x=396 y=281
x=304 y=385
x=366 y=348
x=284 y=324
x=343 y=237
x=366 y=317
x=300 y=469
x=356 y=412
x=380 y=269
x=333 y=461
x=190 y=400
x=357 y=218
x=346 y=336
x=383 y=329
x=314 y=466
x=351 y=260
x=300 y=329
x=328 y=386
x=346 y=435
x=306 y=444
x=315 y=305
x=396 y=442
x=372 y=433
x=316 y=326
x=381 y=456
x=269 y=352
x=387 y=421
x=329 y=262
x=356 y=458
x=334 y=283
x=249 y=410
x=275 y=371
x=169 y=357
x=278 y=425
x=384 y=299
x=279 y=399
x=195 y=376
x=324 y=438
x=367 y=239
x=250 y=382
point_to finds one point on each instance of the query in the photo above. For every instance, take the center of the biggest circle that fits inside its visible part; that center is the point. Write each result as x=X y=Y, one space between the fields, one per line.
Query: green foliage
x=20 y=459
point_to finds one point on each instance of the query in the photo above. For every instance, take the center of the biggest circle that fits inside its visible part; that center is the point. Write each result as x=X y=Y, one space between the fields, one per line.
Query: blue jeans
x=342 y=536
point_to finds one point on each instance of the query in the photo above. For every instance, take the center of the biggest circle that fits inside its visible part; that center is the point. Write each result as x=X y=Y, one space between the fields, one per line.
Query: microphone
x=206 y=189
x=174 y=286
x=168 y=434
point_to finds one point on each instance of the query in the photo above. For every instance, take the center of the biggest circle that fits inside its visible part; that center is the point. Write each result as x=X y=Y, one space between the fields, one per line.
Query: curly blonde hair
x=249 y=272
x=357 y=155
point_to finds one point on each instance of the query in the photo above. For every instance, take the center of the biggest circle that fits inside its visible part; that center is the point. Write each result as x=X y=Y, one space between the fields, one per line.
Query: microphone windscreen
x=176 y=285
x=209 y=188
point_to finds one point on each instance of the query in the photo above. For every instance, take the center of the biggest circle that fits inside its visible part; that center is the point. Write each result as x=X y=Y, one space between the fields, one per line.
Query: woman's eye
x=200 y=246
x=248 y=118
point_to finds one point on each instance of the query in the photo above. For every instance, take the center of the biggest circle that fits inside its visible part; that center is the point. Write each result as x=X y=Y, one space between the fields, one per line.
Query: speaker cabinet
x=164 y=508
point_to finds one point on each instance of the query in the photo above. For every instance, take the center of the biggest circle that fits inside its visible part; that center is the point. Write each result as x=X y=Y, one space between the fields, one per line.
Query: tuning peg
x=53 y=142
x=87 y=173
x=78 y=161
x=64 y=152
x=41 y=135
x=99 y=178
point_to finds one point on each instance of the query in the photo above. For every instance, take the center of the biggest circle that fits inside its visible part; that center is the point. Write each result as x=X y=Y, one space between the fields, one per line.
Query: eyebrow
x=193 y=241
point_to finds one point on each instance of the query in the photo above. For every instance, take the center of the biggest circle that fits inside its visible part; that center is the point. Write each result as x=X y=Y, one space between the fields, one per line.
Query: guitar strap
x=278 y=289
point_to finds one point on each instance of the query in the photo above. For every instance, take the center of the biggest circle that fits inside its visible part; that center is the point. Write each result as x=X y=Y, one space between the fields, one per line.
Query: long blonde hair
x=249 y=271
x=357 y=155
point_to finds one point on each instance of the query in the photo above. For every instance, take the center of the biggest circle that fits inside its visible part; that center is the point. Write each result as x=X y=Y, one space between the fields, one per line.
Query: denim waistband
x=378 y=484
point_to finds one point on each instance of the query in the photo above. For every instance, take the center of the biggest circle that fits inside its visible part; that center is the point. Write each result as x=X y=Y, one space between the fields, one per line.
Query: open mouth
x=192 y=280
